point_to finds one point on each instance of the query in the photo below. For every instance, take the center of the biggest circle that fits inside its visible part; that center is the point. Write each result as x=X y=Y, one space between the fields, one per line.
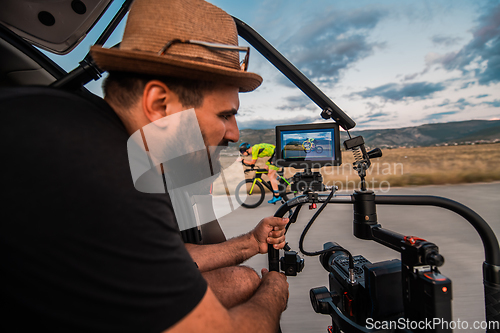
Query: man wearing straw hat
x=93 y=254
x=186 y=55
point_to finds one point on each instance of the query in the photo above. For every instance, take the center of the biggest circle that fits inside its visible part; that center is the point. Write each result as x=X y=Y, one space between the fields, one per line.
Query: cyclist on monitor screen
x=263 y=150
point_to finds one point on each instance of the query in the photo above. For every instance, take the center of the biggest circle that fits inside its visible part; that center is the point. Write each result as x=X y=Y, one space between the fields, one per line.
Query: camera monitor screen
x=308 y=146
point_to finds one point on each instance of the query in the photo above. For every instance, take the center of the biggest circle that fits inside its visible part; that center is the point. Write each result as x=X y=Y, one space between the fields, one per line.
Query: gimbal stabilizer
x=361 y=290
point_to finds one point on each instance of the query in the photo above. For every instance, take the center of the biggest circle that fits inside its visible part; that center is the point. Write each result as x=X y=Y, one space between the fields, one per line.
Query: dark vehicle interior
x=25 y=26
x=22 y=64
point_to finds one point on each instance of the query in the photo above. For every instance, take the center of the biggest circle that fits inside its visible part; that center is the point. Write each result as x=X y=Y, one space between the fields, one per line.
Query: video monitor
x=308 y=146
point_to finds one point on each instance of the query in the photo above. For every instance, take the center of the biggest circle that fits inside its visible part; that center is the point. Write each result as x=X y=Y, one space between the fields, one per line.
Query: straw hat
x=152 y=24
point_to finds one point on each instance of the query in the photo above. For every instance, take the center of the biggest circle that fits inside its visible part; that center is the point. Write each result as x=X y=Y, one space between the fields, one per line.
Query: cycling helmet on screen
x=244 y=146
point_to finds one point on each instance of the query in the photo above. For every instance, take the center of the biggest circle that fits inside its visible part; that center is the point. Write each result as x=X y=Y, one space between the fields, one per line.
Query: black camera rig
x=360 y=290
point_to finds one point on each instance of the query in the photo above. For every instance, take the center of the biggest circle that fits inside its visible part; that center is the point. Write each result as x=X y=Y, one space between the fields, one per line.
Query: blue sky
x=387 y=64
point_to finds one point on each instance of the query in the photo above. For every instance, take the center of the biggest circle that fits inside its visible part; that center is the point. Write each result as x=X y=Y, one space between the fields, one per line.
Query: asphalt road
x=457 y=240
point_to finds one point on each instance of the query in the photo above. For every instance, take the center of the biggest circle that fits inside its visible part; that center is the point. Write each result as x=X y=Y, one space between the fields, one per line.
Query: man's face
x=216 y=117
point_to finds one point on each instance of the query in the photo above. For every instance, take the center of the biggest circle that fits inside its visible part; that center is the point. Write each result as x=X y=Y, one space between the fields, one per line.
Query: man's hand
x=270 y=230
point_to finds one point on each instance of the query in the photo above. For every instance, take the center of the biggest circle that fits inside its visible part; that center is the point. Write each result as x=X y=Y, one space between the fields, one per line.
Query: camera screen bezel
x=336 y=160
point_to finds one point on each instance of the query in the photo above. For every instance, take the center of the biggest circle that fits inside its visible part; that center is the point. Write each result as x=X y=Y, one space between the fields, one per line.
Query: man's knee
x=247 y=277
x=233 y=285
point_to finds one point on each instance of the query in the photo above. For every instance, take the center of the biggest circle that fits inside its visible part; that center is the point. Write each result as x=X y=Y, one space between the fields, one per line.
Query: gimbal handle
x=491 y=264
x=273 y=255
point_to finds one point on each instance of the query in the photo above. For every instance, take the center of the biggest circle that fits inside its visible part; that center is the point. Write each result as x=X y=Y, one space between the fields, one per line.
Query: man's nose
x=232 y=131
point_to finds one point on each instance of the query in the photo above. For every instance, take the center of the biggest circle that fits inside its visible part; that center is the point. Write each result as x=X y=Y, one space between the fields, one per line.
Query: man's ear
x=159 y=101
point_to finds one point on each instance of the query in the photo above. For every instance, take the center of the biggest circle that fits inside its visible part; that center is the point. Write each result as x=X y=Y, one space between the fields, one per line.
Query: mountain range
x=461 y=132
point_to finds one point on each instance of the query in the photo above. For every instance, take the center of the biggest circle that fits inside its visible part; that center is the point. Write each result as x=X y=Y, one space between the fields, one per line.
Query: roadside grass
x=424 y=166
x=417 y=166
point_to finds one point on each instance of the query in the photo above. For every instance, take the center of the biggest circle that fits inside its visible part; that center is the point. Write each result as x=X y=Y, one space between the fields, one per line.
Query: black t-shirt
x=81 y=250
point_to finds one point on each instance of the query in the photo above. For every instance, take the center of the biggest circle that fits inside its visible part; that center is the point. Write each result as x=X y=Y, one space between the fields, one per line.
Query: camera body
x=372 y=294
x=307 y=181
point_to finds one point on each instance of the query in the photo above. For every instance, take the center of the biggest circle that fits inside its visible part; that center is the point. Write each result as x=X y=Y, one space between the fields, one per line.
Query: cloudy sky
x=387 y=64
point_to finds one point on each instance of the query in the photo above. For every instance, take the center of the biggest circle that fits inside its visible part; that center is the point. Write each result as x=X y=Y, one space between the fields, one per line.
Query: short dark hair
x=124 y=88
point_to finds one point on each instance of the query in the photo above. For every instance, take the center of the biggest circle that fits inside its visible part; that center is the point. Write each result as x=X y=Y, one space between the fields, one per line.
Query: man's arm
x=259 y=314
x=252 y=162
x=271 y=230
